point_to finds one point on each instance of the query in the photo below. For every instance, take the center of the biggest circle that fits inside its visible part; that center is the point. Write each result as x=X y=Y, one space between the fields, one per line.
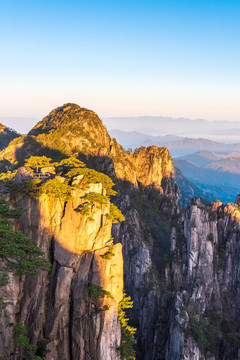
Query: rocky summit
x=108 y=220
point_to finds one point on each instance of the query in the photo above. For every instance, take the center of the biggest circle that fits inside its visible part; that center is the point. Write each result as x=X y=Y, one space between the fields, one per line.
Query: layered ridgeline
x=218 y=175
x=181 y=269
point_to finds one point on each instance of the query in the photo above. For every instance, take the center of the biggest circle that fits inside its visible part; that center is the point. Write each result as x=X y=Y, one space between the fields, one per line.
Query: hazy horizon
x=130 y=123
x=217 y=130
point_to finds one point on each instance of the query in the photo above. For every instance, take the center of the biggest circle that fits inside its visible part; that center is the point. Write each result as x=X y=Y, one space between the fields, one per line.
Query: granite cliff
x=61 y=307
x=180 y=267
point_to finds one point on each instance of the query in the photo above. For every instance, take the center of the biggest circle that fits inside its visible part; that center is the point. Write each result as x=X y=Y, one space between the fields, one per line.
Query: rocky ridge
x=180 y=268
x=72 y=130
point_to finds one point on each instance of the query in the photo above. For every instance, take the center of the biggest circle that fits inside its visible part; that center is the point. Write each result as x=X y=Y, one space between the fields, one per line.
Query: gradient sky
x=125 y=58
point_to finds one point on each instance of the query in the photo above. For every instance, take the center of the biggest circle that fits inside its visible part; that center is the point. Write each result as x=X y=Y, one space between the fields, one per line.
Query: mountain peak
x=66 y=115
x=73 y=130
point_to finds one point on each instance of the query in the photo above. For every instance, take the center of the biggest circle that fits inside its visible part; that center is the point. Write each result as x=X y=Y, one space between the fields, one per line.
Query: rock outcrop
x=57 y=307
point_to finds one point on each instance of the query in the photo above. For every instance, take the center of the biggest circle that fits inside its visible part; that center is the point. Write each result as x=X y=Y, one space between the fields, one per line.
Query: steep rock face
x=186 y=296
x=152 y=165
x=144 y=175
x=58 y=307
x=206 y=312
x=145 y=236
x=138 y=280
x=144 y=181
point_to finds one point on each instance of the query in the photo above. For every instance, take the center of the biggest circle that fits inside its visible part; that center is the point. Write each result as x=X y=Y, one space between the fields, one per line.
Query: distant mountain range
x=136 y=139
x=206 y=157
x=177 y=146
x=222 y=131
x=189 y=145
x=216 y=174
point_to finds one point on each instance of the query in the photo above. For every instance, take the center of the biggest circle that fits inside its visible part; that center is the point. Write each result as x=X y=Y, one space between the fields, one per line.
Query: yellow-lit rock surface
x=152 y=165
x=75 y=325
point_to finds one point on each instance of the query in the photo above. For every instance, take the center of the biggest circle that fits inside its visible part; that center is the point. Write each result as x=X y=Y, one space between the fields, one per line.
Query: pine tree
x=18 y=253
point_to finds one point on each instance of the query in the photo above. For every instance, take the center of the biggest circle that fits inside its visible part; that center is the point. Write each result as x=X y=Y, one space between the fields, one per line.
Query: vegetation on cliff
x=96 y=292
x=91 y=176
x=93 y=199
x=115 y=214
x=61 y=187
x=21 y=256
x=24 y=346
x=155 y=237
x=18 y=252
x=127 y=331
x=56 y=189
x=34 y=163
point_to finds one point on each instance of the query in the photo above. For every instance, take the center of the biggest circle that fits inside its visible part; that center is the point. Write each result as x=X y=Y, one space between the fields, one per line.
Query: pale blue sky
x=126 y=58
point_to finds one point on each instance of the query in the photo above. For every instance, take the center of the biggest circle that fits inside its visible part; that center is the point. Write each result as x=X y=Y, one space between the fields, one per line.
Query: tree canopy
x=71 y=162
x=36 y=162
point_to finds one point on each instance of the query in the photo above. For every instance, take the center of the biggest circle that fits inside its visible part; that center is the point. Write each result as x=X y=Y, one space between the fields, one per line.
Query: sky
x=125 y=58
